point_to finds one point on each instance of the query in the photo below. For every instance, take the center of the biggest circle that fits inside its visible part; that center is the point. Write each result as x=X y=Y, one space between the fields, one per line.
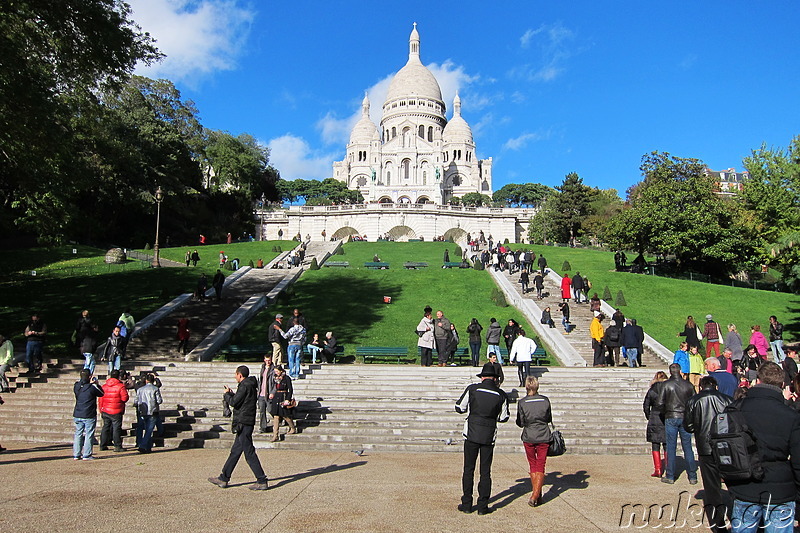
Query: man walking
x=244 y=420
x=701 y=411
x=672 y=399
x=112 y=409
x=522 y=354
x=275 y=337
x=577 y=287
x=85 y=415
x=770 y=501
x=493 y=334
x=487 y=405
x=441 y=336
x=218 y=282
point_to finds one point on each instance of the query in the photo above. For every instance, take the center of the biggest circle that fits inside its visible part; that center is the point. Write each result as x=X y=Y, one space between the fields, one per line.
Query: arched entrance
x=402 y=233
x=424 y=200
x=404 y=200
x=342 y=233
x=457 y=235
x=385 y=200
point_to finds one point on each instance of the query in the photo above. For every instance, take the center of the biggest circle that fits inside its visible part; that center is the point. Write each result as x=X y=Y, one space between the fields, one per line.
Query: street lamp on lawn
x=158 y=197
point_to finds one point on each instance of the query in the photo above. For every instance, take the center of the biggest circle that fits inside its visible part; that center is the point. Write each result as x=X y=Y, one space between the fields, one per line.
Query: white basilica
x=416 y=156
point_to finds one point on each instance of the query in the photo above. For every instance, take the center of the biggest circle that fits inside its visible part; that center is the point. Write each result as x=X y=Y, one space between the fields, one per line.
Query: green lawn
x=245 y=251
x=349 y=301
x=661 y=305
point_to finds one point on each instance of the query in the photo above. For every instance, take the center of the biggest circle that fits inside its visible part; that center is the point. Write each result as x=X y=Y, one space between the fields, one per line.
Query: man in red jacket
x=112 y=407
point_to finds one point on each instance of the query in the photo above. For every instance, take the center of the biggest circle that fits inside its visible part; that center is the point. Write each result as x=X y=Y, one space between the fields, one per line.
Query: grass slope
x=661 y=305
x=349 y=301
x=245 y=251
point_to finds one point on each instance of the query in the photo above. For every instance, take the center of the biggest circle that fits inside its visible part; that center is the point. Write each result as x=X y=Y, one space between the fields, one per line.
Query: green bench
x=455 y=264
x=339 y=264
x=539 y=357
x=371 y=354
x=247 y=349
x=413 y=265
x=376 y=265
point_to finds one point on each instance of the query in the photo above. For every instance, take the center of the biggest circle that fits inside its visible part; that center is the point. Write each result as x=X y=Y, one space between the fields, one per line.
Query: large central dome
x=414 y=79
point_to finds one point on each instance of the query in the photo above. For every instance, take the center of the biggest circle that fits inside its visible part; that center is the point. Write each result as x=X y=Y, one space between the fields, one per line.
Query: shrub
x=147 y=246
x=620 y=301
x=314 y=264
x=478 y=265
x=566 y=267
x=505 y=241
x=607 y=294
x=499 y=298
x=274 y=248
x=279 y=249
x=340 y=251
x=251 y=264
x=228 y=266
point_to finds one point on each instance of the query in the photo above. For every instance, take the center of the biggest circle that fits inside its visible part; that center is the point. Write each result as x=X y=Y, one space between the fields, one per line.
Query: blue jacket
x=682 y=358
x=86 y=395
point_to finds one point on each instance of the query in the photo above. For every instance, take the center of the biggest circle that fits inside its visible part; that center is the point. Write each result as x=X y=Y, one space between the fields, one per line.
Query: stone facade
x=416 y=156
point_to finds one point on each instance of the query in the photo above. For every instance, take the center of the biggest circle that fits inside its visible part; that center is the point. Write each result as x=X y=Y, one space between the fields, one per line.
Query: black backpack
x=734 y=447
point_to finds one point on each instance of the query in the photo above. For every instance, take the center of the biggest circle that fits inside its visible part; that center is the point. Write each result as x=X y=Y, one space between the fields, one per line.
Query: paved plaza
x=43 y=489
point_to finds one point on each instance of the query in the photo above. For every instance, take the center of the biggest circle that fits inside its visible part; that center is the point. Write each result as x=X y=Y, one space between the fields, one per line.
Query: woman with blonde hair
x=656 y=432
x=733 y=341
x=533 y=416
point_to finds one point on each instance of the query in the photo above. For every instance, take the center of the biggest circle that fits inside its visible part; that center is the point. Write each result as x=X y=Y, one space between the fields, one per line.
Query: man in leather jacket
x=672 y=399
x=700 y=413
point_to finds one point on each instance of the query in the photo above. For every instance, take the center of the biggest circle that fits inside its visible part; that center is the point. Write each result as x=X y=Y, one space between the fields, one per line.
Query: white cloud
x=553 y=42
x=452 y=79
x=517 y=143
x=517 y=97
x=197 y=37
x=294 y=158
x=688 y=62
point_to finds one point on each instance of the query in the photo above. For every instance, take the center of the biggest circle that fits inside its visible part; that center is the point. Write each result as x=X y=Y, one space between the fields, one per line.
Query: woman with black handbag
x=281 y=403
x=534 y=416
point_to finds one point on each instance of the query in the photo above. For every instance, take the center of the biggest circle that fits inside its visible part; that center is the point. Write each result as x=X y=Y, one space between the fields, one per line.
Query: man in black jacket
x=487 y=405
x=777 y=433
x=700 y=413
x=87 y=391
x=672 y=400
x=244 y=420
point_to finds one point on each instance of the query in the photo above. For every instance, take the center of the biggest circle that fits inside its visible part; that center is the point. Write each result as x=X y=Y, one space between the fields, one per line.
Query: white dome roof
x=364 y=130
x=414 y=79
x=457 y=130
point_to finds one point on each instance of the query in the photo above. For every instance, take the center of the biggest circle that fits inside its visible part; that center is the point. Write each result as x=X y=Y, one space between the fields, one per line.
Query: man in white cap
x=712 y=335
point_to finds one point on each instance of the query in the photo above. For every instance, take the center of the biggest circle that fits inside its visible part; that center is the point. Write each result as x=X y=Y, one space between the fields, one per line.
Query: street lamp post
x=159 y=197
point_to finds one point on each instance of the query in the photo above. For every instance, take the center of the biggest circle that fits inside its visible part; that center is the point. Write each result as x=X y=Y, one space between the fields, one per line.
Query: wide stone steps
x=379 y=407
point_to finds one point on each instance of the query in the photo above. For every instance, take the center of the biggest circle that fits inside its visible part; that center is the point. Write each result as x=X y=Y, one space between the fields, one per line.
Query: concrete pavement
x=43 y=489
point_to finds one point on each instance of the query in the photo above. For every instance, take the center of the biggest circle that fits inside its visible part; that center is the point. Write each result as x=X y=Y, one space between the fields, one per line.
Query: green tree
x=569 y=208
x=54 y=58
x=675 y=210
x=519 y=195
x=238 y=163
x=476 y=199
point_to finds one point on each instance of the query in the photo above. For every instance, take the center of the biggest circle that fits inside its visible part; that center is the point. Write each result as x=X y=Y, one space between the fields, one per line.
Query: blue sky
x=547 y=87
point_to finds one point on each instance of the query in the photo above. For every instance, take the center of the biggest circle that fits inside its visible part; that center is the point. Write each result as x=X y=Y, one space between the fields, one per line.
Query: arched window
x=406 y=168
x=422 y=131
x=430 y=133
x=394 y=132
x=388 y=177
x=424 y=177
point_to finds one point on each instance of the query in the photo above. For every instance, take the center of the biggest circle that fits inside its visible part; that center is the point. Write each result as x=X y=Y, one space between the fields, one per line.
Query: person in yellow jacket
x=596 y=331
x=697 y=367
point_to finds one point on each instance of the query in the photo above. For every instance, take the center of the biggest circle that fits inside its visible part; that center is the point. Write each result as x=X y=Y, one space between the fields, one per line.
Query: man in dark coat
x=218 y=282
x=441 y=336
x=87 y=391
x=700 y=413
x=776 y=427
x=672 y=399
x=487 y=405
x=329 y=350
x=244 y=420
x=577 y=287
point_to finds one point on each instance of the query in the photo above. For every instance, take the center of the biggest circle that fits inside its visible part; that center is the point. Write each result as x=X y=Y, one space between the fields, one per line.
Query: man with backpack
x=767 y=496
x=701 y=411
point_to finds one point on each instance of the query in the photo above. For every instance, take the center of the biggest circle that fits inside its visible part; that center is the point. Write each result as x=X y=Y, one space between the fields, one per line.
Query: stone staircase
x=349 y=407
x=580 y=317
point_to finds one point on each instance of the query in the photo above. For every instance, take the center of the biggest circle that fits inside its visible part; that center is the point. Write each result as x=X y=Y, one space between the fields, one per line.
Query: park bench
x=247 y=349
x=376 y=353
x=376 y=265
x=462 y=356
x=455 y=264
x=413 y=265
x=539 y=357
x=338 y=264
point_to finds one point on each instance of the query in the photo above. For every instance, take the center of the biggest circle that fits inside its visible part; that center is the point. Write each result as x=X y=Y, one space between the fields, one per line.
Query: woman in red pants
x=534 y=417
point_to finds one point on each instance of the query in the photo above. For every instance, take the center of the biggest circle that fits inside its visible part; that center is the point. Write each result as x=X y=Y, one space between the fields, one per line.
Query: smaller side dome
x=364 y=130
x=457 y=130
